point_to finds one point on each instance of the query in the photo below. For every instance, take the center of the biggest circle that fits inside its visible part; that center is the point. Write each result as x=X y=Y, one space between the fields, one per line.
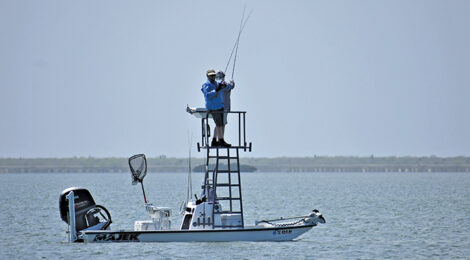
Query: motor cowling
x=88 y=215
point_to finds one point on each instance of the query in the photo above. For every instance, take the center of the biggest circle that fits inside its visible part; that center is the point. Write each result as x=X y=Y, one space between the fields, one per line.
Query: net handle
x=143 y=191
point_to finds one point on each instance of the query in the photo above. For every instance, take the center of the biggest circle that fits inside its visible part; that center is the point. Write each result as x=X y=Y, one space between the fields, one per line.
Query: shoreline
x=279 y=164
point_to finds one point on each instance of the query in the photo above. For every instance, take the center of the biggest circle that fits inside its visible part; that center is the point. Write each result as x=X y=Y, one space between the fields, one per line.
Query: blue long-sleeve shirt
x=213 y=98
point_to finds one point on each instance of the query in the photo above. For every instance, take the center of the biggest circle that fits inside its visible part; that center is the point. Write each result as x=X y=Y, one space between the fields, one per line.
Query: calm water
x=369 y=215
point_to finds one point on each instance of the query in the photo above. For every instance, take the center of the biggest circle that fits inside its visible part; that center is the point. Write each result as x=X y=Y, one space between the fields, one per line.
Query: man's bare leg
x=221 y=135
x=216 y=133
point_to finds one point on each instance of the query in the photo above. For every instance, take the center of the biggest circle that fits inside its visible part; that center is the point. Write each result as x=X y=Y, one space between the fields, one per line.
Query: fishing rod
x=235 y=46
x=236 y=41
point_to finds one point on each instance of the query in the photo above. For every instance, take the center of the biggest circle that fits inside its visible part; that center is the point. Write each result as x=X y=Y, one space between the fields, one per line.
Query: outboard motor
x=88 y=216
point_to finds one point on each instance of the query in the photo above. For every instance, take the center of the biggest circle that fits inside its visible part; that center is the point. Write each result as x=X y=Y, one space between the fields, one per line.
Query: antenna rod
x=190 y=188
x=190 y=173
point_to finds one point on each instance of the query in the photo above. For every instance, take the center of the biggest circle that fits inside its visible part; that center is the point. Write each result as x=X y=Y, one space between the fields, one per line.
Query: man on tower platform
x=215 y=106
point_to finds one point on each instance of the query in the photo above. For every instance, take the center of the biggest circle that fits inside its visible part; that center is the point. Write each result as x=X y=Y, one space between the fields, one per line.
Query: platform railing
x=206 y=130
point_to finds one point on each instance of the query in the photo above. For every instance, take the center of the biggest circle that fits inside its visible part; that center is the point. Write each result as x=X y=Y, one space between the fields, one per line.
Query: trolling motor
x=313 y=218
x=79 y=210
x=160 y=215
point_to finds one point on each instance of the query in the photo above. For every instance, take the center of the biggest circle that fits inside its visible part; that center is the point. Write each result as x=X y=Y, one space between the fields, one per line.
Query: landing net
x=138 y=165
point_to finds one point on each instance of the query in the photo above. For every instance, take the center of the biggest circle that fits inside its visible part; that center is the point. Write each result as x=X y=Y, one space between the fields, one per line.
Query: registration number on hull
x=282 y=232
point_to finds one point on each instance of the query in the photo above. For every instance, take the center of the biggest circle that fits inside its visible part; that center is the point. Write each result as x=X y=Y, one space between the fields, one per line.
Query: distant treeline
x=233 y=167
x=279 y=164
x=361 y=164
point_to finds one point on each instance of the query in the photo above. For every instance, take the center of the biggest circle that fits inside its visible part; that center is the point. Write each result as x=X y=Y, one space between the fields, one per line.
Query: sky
x=351 y=78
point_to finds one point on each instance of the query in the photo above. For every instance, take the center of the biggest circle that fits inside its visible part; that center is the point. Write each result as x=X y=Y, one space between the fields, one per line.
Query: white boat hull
x=254 y=233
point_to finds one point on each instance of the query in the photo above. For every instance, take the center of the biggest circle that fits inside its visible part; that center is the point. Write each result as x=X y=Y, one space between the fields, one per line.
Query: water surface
x=369 y=215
